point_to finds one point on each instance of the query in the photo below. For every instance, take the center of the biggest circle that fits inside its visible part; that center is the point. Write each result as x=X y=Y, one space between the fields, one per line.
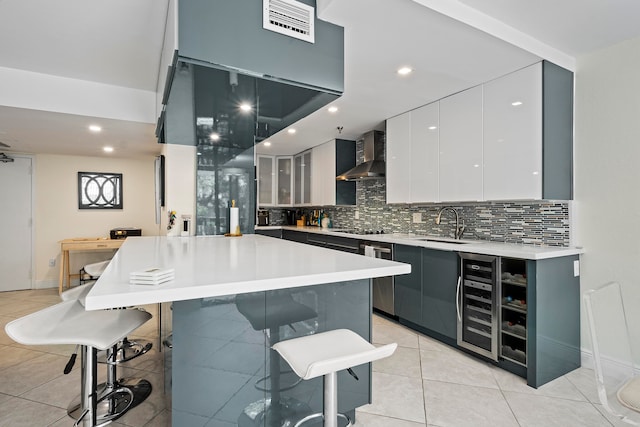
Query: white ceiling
x=118 y=42
x=115 y=42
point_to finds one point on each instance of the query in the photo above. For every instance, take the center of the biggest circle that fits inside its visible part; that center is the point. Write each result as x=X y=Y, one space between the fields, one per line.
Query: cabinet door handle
x=101 y=246
x=458 y=299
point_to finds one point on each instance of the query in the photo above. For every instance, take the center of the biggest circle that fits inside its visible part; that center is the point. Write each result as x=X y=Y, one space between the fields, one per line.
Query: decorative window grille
x=98 y=190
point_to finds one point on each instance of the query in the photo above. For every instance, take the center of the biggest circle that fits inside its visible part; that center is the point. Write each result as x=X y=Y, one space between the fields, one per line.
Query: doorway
x=16 y=244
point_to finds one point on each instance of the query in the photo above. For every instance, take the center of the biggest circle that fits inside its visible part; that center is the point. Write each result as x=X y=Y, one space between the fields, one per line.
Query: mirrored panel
x=232 y=113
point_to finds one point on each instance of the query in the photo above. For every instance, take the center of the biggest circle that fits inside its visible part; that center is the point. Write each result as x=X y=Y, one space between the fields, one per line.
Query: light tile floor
x=425 y=383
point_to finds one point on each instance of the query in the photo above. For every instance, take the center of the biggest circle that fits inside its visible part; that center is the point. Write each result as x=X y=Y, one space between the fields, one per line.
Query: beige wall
x=180 y=187
x=607 y=172
x=56 y=213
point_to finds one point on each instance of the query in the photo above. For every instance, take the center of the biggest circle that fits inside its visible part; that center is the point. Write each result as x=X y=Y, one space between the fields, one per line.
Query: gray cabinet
x=439 y=279
x=408 y=287
x=344 y=244
x=426 y=297
x=294 y=236
x=539 y=309
x=553 y=318
x=277 y=233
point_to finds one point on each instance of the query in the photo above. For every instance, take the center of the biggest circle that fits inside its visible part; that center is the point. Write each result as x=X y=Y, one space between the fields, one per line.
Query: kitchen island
x=234 y=297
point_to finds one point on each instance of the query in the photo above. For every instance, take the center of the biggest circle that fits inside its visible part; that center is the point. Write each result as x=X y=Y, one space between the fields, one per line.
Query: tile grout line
x=424 y=397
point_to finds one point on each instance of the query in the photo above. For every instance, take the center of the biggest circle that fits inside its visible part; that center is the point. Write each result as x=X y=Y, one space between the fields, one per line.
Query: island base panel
x=224 y=372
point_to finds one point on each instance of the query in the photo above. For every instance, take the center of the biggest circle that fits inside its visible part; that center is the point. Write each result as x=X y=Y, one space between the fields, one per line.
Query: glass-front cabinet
x=285 y=180
x=266 y=180
x=275 y=180
x=302 y=178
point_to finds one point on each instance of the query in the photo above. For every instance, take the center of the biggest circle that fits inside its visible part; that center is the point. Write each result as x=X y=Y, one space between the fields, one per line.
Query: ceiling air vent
x=290 y=18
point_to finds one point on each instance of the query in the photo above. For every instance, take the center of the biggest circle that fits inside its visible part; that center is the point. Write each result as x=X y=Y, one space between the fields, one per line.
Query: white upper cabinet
x=512 y=107
x=492 y=142
x=425 y=129
x=323 y=179
x=398 y=159
x=460 y=157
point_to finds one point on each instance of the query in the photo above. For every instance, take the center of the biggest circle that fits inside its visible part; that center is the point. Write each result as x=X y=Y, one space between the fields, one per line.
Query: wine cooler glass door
x=477 y=323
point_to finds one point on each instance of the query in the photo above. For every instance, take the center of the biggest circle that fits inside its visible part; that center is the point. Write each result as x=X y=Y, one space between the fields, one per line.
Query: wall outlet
x=576 y=268
x=357 y=215
x=52 y=262
x=417 y=217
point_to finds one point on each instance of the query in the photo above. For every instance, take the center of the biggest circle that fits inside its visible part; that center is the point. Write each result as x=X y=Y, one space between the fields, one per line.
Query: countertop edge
x=152 y=294
x=511 y=250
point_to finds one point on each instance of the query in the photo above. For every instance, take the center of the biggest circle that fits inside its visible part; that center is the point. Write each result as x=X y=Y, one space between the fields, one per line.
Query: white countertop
x=209 y=266
x=511 y=250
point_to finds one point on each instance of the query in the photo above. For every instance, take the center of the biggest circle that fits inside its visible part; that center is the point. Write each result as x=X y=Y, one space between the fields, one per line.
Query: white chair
x=325 y=354
x=617 y=381
x=127 y=349
x=93 y=270
x=77 y=293
x=69 y=323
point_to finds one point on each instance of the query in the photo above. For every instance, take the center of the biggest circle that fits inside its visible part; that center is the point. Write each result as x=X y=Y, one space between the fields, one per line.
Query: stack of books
x=152 y=276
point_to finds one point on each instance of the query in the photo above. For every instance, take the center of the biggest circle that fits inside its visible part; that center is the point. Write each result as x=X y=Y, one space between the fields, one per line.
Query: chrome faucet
x=459 y=228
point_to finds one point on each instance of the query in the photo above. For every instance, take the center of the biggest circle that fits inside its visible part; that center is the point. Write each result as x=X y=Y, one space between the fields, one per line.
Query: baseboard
x=610 y=364
x=45 y=284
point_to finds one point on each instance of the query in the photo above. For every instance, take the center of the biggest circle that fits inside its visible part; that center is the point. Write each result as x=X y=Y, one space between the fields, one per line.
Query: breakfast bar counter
x=232 y=299
x=212 y=266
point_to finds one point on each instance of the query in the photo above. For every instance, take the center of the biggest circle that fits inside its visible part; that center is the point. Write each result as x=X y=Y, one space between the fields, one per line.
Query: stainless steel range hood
x=373 y=166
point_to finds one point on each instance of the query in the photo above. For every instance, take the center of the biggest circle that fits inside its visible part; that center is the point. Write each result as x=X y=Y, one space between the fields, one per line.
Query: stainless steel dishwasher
x=383 y=287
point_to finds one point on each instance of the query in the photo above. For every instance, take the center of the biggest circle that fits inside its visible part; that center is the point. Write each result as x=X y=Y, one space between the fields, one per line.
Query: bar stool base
x=263 y=413
x=127 y=350
x=114 y=402
x=320 y=417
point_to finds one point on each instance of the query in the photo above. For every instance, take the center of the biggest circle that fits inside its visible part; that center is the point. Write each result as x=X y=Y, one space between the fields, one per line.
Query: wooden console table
x=89 y=244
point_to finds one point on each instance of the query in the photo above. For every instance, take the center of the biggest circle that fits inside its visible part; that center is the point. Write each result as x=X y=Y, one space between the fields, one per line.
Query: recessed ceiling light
x=108 y=149
x=291 y=131
x=516 y=103
x=214 y=136
x=403 y=71
x=95 y=128
x=245 y=107
x=433 y=127
x=267 y=143
x=332 y=109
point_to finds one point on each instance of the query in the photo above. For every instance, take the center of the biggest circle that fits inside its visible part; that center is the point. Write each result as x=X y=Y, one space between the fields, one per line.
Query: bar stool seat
x=127 y=349
x=69 y=323
x=77 y=292
x=325 y=354
x=93 y=270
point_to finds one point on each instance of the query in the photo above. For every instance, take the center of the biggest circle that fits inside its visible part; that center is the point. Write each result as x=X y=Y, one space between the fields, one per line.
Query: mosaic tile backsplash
x=543 y=223
x=536 y=223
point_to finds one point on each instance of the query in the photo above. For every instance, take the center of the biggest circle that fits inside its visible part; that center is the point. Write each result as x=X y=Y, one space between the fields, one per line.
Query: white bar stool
x=77 y=293
x=325 y=354
x=69 y=323
x=123 y=351
x=127 y=349
x=94 y=270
